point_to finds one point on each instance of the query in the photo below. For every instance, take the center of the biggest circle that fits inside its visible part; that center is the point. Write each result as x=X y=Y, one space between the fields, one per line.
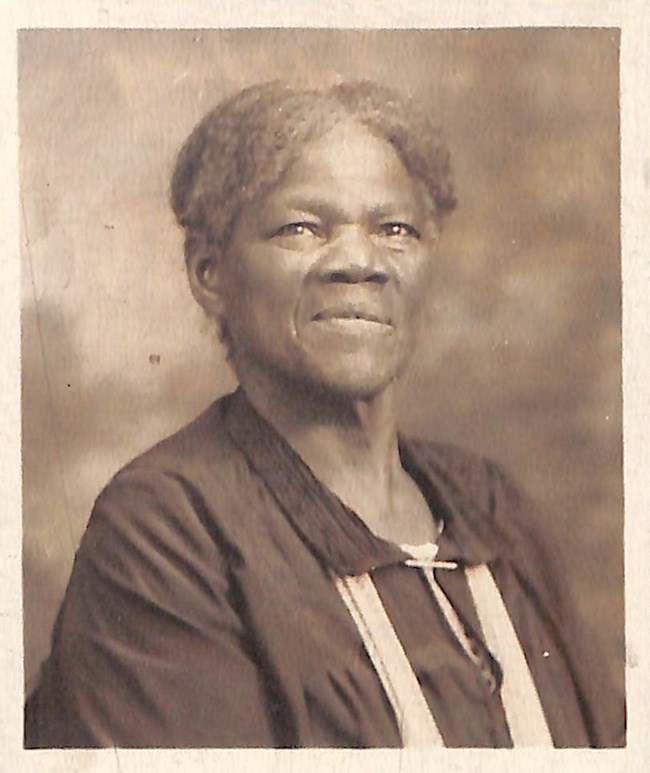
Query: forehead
x=352 y=167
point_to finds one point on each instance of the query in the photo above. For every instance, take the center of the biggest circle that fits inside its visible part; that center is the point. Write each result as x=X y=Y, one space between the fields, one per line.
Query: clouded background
x=521 y=355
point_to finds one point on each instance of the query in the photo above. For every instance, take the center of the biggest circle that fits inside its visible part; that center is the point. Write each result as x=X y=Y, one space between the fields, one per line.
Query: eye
x=398 y=229
x=302 y=228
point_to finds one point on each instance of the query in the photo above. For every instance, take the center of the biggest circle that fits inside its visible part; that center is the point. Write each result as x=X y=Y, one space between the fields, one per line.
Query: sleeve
x=149 y=649
x=601 y=694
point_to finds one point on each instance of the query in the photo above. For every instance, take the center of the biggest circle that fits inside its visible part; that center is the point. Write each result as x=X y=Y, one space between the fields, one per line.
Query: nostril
x=378 y=277
x=354 y=277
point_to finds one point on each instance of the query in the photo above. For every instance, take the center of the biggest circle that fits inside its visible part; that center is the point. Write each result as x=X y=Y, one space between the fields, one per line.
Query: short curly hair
x=243 y=147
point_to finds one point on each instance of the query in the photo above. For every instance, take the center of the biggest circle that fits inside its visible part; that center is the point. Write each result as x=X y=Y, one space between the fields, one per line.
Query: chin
x=354 y=381
x=348 y=377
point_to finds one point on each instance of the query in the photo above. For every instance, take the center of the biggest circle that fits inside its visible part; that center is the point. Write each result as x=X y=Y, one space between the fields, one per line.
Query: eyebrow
x=327 y=208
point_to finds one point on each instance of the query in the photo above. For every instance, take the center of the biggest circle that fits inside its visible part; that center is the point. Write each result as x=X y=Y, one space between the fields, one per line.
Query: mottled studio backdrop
x=521 y=358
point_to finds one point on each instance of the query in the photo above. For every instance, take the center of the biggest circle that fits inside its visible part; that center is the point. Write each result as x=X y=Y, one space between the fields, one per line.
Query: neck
x=350 y=444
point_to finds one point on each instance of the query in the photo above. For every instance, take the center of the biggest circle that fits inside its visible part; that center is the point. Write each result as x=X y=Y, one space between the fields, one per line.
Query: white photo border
x=633 y=19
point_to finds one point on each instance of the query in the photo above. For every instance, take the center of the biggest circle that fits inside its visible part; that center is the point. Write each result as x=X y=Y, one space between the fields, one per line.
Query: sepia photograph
x=321 y=377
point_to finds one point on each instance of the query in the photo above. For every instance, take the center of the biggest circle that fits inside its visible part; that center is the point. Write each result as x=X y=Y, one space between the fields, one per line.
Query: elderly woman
x=287 y=570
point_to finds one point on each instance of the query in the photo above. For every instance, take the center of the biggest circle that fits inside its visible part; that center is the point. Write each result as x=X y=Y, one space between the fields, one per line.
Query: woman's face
x=325 y=276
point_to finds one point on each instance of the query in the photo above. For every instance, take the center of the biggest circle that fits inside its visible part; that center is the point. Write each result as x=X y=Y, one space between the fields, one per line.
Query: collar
x=336 y=534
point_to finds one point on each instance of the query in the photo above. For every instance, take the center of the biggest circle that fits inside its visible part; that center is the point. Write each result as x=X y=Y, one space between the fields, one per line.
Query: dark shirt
x=201 y=610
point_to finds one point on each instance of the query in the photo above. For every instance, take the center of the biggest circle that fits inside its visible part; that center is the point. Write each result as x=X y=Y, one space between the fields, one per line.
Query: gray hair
x=243 y=147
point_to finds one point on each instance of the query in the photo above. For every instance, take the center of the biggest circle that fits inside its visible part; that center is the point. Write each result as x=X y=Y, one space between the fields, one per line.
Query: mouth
x=351 y=314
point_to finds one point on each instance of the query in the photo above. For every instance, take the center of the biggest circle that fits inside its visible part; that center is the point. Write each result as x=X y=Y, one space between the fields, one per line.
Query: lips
x=349 y=311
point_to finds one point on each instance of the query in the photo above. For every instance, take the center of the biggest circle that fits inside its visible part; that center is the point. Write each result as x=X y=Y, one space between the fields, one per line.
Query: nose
x=352 y=258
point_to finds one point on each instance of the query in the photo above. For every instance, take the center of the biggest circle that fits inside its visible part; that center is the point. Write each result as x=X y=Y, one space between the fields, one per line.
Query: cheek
x=416 y=283
x=264 y=288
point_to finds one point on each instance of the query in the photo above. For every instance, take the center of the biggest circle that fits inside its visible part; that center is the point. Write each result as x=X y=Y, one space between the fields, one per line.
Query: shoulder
x=494 y=506
x=201 y=443
x=483 y=493
x=469 y=476
x=461 y=469
x=165 y=502
x=200 y=455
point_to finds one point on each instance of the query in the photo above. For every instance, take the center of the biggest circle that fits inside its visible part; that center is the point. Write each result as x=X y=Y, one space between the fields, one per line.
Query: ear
x=204 y=278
